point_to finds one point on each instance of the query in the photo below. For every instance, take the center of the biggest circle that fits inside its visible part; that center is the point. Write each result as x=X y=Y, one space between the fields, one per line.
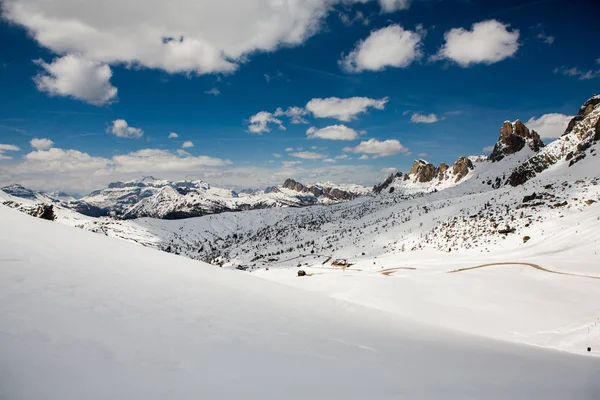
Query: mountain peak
x=513 y=137
x=584 y=111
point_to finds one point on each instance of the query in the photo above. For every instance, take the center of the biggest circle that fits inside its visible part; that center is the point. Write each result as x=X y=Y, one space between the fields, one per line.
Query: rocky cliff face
x=425 y=176
x=461 y=168
x=513 y=137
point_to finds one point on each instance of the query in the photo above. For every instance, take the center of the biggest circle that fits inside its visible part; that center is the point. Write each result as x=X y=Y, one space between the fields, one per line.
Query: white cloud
x=549 y=126
x=213 y=91
x=55 y=161
x=364 y=157
x=576 y=72
x=424 y=119
x=163 y=160
x=259 y=123
x=343 y=157
x=486 y=43
x=545 y=38
x=307 y=155
x=7 y=147
x=388 y=171
x=187 y=144
x=173 y=135
x=392 y=46
x=488 y=149
x=343 y=109
x=290 y=163
x=388 y=6
x=276 y=155
x=174 y=36
x=333 y=132
x=378 y=148
x=121 y=128
x=86 y=172
x=78 y=78
x=288 y=149
x=329 y=160
x=41 y=144
x=294 y=113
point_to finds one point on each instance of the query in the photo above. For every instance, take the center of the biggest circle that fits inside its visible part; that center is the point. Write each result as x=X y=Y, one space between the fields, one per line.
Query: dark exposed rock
x=584 y=111
x=388 y=181
x=531 y=197
x=513 y=137
x=442 y=171
x=44 y=211
x=461 y=168
x=506 y=231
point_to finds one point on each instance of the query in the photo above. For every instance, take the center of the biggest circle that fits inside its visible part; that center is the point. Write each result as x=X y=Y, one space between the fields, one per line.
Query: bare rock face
x=584 y=111
x=389 y=180
x=427 y=173
x=461 y=168
x=293 y=185
x=423 y=171
x=513 y=137
x=442 y=171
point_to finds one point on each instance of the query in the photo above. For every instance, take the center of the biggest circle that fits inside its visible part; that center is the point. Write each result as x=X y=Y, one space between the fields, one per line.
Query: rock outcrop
x=513 y=137
x=388 y=182
x=423 y=173
x=461 y=168
x=585 y=110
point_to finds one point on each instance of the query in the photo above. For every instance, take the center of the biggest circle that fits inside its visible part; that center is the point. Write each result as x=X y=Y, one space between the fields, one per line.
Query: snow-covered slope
x=84 y=316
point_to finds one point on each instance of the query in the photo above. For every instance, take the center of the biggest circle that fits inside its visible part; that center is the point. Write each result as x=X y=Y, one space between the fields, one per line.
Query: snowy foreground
x=84 y=316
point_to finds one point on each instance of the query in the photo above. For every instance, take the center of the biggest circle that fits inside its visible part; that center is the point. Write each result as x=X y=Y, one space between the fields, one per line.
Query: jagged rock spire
x=513 y=137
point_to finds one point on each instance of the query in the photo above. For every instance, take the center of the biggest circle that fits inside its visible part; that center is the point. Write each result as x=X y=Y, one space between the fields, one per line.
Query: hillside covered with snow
x=83 y=316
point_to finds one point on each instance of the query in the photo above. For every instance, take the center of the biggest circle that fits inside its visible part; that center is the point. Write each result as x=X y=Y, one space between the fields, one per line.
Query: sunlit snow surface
x=86 y=316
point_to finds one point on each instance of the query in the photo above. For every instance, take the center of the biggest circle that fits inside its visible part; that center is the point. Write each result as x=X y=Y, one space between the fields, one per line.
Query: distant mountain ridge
x=151 y=197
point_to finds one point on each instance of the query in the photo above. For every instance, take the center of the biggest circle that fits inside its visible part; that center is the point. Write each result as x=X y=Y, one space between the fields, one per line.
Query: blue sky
x=397 y=79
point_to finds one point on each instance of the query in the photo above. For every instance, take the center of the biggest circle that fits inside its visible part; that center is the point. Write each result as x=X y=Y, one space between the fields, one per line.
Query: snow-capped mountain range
x=151 y=197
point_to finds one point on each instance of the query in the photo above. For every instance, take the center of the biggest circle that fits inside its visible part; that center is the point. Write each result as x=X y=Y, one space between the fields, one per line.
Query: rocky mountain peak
x=584 y=111
x=513 y=137
x=19 y=191
x=461 y=168
x=423 y=171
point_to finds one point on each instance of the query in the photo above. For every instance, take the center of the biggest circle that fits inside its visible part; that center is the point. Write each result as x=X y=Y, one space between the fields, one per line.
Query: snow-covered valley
x=88 y=316
x=435 y=284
